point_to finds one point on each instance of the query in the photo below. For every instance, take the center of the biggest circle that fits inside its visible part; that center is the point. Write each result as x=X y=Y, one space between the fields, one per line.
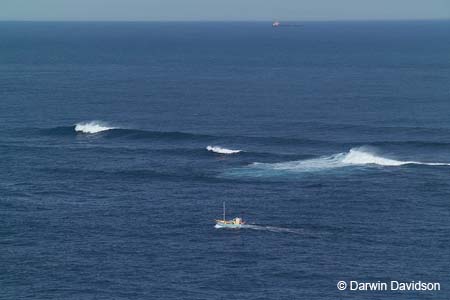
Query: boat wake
x=220 y=150
x=355 y=157
x=273 y=229
x=92 y=127
x=263 y=228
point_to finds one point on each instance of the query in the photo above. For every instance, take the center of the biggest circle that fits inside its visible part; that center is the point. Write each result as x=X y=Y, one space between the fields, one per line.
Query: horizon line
x=229 y=21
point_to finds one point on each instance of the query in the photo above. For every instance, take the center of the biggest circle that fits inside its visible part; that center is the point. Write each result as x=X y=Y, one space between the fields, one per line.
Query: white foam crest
x=221 y=150
x=92 y=127
x=360 y=156
x=355 y=157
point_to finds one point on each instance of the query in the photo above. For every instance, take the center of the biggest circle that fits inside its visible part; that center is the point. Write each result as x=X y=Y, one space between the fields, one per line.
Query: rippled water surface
x=120 y=141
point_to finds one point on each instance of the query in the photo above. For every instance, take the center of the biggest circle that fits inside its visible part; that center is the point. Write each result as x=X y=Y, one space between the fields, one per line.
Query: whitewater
x=354 y=157
x=221 y=150
x=92 y=127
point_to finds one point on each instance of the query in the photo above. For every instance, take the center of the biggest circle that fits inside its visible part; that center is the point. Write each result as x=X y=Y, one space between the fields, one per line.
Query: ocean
x=119 y=143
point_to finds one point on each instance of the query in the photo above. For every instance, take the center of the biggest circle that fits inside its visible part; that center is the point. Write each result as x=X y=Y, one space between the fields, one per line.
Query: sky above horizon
x=220 y=10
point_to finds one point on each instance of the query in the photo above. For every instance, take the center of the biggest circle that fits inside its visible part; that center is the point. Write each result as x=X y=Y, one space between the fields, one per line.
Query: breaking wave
x=355 y=157
x=221 y=150
x=108 y=131
x=361 y=157
x=92 y=127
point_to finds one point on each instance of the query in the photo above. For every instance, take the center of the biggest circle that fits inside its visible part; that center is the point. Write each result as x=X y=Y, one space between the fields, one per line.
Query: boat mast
x=224 y=210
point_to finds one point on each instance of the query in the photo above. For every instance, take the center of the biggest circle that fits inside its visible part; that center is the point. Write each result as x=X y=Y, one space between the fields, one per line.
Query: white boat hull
x=230 y=226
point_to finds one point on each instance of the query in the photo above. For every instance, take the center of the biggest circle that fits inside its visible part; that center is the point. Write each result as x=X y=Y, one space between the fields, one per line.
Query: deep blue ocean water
x=343 y=174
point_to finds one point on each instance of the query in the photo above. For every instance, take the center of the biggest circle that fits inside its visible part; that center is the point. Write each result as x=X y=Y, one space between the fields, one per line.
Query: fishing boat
x=235 y=223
